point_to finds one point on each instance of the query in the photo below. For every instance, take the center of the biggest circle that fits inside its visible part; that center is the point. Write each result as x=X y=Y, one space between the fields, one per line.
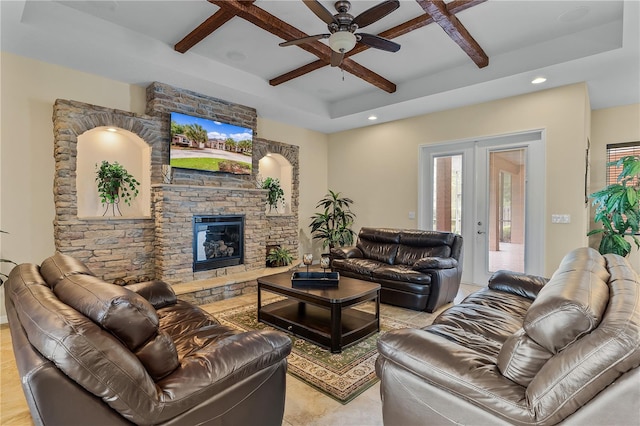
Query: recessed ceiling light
x=236 y=56
x=538 y=80
x=372 y=117
x=111 y=129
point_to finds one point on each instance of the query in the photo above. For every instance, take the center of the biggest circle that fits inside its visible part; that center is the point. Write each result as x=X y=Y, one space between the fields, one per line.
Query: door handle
x=480 y=232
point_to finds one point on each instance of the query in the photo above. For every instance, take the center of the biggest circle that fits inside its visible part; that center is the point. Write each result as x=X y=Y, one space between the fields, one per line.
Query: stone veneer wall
x=283 y=229
x=160 y=247
x=111 y=247
x=174 y=208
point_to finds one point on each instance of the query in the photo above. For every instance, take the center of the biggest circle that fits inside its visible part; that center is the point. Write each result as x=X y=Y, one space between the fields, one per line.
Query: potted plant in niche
x=115 y=183
x=333 y=224
x=617 y=208
x=275 y=195
x=279 y=256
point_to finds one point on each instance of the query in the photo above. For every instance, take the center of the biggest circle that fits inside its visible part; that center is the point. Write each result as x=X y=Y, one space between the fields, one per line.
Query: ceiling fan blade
x=336 y=58
x=320 y=11
x=303 y=40
x=378 y=42
x=378 y=11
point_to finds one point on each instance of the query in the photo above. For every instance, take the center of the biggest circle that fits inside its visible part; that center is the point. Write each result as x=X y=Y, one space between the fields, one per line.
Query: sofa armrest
x=427 y=263
x=517 y=283
x=346 y=252
x=158 y=293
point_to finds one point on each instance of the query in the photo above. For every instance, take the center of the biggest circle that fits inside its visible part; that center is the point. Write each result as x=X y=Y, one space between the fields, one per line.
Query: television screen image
x=202 y=144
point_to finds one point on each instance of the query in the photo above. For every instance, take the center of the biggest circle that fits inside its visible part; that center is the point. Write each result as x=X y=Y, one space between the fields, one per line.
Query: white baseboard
x=3 y=319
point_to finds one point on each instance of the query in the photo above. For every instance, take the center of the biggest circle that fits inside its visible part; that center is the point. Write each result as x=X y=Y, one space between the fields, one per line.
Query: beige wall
x=378 y=165
x=611 y=125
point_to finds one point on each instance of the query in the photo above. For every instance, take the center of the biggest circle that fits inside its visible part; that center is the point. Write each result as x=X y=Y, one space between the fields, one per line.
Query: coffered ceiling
x=452 y=53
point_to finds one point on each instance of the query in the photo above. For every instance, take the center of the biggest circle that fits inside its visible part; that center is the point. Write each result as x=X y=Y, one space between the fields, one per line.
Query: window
x=616 y=151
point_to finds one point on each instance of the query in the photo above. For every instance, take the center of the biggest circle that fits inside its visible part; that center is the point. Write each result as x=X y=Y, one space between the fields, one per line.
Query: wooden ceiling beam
x=279 y=28
x=454 y=29
x=212 y=23
x=397 y=31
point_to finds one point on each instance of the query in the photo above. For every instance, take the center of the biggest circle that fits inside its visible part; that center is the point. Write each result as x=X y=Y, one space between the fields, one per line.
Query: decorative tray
x=315 y=279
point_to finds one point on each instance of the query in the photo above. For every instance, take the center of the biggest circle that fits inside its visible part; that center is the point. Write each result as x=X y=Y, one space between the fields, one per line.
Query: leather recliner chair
x=90 y=352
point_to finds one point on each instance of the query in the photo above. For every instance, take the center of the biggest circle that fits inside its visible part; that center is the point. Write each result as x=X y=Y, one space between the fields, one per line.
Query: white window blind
x=616 y=151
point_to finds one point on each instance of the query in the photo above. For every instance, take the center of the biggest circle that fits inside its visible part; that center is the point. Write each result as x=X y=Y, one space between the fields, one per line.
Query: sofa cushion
x=408 y=255
x=571 y=304
x=59 y=266
x=158 y=293
x=122 y=312
x=521 y=358
x=159 y=356
x=362 y=267
x=427 y=263
x=402 y=273
x=419 y=238
x=381 y=252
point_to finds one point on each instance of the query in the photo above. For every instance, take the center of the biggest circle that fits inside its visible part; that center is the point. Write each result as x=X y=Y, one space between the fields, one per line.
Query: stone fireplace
x=218 y=241
x=165 y=244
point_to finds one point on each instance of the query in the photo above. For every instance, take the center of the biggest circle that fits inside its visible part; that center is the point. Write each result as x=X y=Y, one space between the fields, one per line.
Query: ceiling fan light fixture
x=342 y=41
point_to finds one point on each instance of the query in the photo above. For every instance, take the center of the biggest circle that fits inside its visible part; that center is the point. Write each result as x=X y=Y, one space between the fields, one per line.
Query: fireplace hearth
x=217 y=242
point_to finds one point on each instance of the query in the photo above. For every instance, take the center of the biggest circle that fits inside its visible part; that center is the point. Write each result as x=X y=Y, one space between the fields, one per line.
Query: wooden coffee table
x=324 y=316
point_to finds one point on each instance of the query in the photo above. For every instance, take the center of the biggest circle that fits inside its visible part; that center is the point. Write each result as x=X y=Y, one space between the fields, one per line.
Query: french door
x=490 y=191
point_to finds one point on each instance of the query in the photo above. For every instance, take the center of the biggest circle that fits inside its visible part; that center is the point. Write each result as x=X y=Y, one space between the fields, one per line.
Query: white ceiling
x=132 y=41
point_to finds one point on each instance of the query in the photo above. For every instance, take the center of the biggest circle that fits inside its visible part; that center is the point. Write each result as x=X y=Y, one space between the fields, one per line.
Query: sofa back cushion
x=521 y=358
x=416 y=245
x=127 y=315
x=575 y=375
x=572 y=303
x=379 y=244
x=59 y=266
x=124 y=313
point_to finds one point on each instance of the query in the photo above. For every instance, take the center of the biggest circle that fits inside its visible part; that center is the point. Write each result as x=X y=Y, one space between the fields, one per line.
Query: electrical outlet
x=412 y=215
x=560 y=218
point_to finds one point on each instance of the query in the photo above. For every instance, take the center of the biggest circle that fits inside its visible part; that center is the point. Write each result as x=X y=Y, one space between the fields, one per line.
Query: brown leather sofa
x=418 y=270
x=524 y=351
x=90 y=352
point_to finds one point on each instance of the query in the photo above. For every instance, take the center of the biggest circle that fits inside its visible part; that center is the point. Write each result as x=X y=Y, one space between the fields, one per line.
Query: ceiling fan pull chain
x=342 y=69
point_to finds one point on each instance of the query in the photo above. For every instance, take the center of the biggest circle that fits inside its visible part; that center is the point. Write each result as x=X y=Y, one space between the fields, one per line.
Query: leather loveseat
x=524 y=351
x=418 y=270
x=90 y=352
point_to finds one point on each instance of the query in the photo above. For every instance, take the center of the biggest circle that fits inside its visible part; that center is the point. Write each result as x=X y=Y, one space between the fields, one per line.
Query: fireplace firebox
x=217 y=242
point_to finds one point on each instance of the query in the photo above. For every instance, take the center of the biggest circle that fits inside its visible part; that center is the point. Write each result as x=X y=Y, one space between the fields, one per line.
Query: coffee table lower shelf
x=313 y=323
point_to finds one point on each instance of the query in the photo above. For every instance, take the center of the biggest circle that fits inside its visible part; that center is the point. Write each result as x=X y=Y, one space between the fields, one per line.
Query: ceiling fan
x=342 y=27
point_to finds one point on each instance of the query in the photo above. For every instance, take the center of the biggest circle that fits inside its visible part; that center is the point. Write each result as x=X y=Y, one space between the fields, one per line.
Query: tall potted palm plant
x=333 y=224
x=617 y=208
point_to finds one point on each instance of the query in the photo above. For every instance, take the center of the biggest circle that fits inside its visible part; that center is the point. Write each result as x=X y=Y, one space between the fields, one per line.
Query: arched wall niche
x=73 y=119
x=287 y=224
x=276 y=166
x=113 y=145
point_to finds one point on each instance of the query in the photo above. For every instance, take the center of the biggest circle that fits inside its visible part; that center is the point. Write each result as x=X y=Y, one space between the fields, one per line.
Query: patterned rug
x=341 y=376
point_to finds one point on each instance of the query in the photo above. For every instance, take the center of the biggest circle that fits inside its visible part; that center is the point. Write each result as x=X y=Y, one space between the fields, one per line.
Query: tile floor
x=304 y=405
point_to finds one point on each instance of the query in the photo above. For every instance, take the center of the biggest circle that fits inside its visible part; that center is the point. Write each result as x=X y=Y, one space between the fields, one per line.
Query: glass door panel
x=447 y=193
x=506 y=236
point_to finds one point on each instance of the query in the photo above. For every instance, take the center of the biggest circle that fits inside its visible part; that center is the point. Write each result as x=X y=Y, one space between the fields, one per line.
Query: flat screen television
x=201 y=144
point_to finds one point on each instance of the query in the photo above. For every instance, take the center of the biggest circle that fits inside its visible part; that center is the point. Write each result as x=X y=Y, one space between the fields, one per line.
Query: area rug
x=341 y=376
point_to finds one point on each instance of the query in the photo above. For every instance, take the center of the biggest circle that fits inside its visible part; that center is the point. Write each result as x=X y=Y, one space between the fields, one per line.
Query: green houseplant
x=617 y=208
x=115 y=183
x=279 y=256
x=333 y=224
x=275 y=195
